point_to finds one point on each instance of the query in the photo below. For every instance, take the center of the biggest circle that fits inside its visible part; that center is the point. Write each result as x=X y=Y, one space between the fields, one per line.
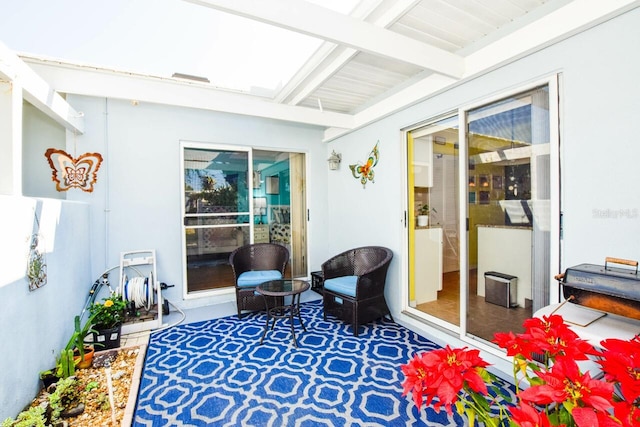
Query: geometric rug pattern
x=214 y=373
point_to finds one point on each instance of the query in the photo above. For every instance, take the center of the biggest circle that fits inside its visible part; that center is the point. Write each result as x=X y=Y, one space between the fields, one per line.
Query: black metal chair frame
x=370 y=264
x=254 y=257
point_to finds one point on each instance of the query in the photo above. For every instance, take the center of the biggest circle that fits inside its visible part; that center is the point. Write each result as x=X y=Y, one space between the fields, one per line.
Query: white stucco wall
x=599 y=151
x=136 y=203
x=39 y=133
x=35 y=326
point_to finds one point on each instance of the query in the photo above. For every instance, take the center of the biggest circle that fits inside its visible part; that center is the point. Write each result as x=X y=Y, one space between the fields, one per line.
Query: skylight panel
x=161 y=38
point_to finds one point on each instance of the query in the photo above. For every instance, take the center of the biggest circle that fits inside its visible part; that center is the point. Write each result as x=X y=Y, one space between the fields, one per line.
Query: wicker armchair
x=254 y=264
x=354 y=285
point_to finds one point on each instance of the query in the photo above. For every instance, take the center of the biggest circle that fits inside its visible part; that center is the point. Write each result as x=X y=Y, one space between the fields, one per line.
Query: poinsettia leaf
x=534 y=366
x=471 y=416
x=565 y=417
x=499 y=392
x=486 y=376
x=536 y=381
x=480 y=401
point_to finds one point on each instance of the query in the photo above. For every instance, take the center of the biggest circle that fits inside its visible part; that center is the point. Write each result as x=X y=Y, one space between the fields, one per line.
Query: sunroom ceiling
x=385 y=55
x=360 y=78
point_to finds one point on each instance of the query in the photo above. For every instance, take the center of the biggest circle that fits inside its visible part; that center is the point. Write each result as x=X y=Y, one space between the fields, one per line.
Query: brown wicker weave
x=370 y=264
x=257 y=256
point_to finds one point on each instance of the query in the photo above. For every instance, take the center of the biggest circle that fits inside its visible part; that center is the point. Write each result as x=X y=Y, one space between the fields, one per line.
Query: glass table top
x=283 y=287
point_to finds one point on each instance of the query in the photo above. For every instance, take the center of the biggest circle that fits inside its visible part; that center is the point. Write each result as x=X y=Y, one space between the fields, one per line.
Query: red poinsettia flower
x=414 y=382
x=552 y=336
x=627 y=413
x=621 y=363
x=565 y=384
x=559 y=393
x=450 y=370
x=442 y=374
x=514 y=344
x=528 y=416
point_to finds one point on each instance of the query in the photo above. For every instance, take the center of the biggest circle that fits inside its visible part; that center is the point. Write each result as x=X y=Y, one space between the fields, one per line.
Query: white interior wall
x=598 y=155
x=136 y=202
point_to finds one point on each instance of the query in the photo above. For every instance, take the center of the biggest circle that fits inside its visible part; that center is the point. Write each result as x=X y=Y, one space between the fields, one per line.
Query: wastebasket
x=500 y=289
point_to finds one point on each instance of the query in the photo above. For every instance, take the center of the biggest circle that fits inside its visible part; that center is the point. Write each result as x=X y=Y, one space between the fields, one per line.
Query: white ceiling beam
x=90 y=81
x=37 y=92
x=328 y=69
x=315 y=62
x=317 y=21
x=296 y=83
x=550 y=28
x=393 y=12
x=562 y=23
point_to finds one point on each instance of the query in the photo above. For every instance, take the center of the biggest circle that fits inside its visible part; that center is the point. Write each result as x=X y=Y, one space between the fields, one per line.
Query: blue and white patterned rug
x=214 y=373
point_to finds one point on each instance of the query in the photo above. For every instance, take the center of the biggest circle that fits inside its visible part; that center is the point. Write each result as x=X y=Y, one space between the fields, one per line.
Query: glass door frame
x=299 y=216
x=552 y=82
x=410 y=218
x=185 y=144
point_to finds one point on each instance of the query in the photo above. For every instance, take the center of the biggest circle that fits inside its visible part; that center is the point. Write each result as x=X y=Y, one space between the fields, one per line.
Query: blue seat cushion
x=345 y=285
x=254 y=278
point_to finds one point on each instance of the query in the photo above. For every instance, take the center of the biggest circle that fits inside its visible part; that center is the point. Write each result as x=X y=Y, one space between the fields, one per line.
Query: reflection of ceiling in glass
x=511 y=125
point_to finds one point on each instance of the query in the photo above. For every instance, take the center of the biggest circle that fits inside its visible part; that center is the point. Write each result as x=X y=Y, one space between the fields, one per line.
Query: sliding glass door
x=217 y=217
x=234 y=196
x=483 y=260
x=279 y=200
x=509 y=184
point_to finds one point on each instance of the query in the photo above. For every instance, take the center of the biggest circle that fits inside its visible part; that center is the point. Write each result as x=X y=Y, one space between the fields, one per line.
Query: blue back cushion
x=345 y=285
x=254 y=278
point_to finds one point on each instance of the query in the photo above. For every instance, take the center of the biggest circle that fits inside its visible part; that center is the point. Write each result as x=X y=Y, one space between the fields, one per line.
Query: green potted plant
x=76 y=354
x=108 y=317
x=82 y=352
x=423 y=215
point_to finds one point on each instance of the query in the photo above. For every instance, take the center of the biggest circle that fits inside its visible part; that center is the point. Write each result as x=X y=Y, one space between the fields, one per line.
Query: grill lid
x=611 y=289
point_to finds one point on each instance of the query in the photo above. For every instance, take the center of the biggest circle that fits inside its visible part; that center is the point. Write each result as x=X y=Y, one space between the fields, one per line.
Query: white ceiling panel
x=384 y=55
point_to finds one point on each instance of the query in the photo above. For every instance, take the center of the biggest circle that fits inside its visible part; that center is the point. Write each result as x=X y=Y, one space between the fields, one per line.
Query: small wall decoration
x=365 y=172
x=36 y=262
x=73 y=173
x=484 y=197
x=496 y=181
x=483 y=181
x=273 y=184
x=36 y=265
x=472 y=197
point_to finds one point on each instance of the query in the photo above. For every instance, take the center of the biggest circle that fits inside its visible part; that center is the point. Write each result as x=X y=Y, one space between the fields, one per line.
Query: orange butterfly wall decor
x=365 y=172
x=73 y=173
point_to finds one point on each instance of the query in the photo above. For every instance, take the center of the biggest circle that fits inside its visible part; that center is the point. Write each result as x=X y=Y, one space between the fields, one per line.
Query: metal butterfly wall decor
x=365 y=172
x=73 y=173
